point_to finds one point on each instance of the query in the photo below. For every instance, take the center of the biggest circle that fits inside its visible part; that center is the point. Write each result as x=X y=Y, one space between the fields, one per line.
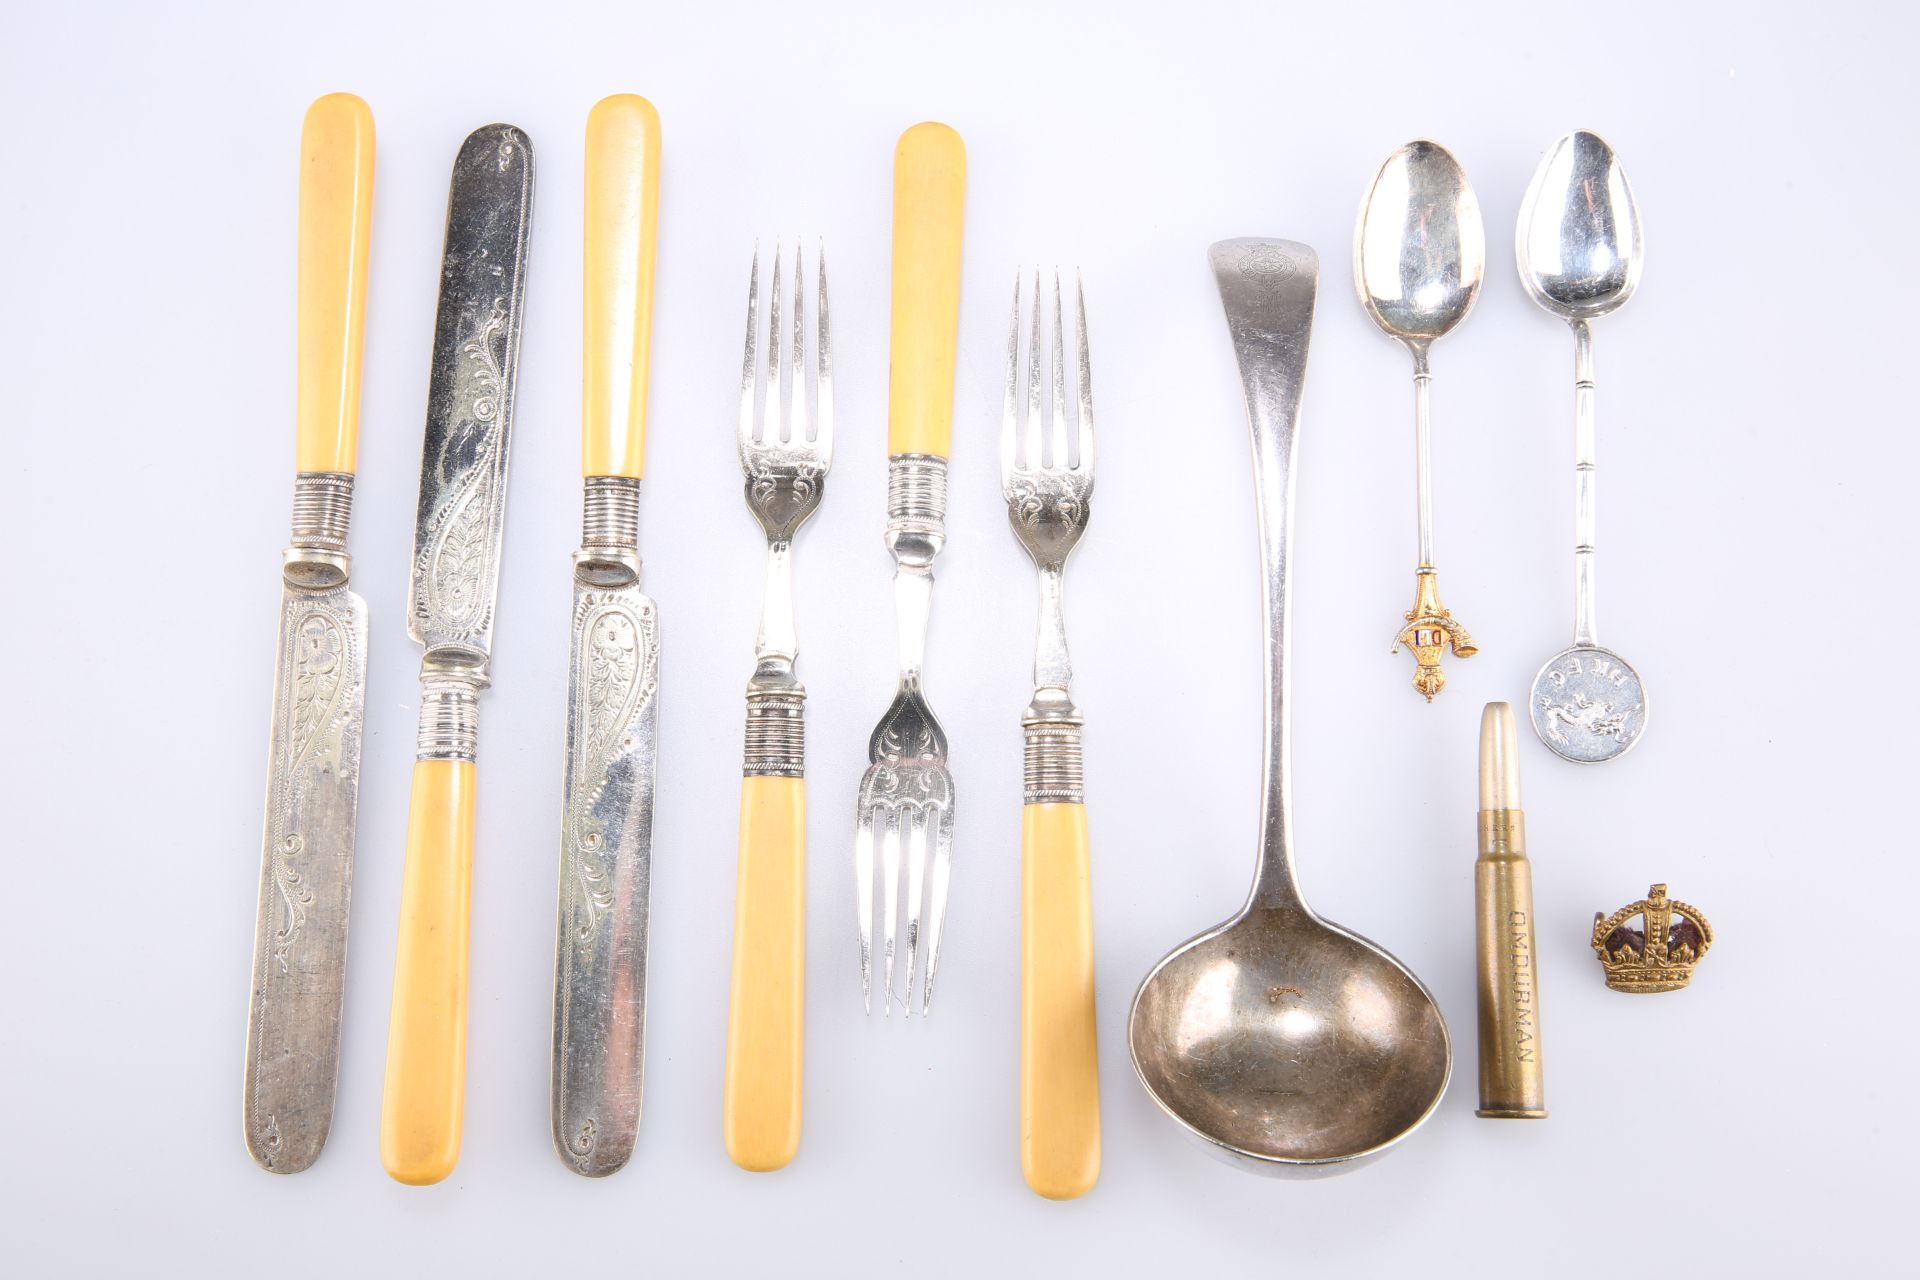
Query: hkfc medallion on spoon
x=1579 y=249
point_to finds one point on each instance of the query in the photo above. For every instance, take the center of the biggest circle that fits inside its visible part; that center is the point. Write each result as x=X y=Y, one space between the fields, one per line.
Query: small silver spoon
x=1286 y=1043
x=1419 y=254
x=1579 y=249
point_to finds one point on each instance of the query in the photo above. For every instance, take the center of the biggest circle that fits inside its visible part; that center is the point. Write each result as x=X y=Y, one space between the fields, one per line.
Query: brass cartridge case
x=1511 y=1085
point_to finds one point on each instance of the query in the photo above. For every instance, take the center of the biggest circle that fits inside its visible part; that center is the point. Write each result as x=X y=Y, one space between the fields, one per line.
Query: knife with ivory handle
x=320 y=676
x=606 y=835
x=456 y=573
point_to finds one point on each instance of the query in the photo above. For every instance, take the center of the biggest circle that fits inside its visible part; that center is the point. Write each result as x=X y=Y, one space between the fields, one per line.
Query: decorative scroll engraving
x=783 y=489
x=485 y=373
x=455 y=574
x=581 y=1144
x=908 y=774
x=269 y=1146
x=615 y=676
x=800 y=479
x=1050 y=497
x=317 y=686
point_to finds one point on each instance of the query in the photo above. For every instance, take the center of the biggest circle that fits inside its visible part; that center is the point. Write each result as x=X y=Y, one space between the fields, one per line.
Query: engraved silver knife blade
x=320 y=670
x=476 y=354
x=606 y=860
x=306 y=876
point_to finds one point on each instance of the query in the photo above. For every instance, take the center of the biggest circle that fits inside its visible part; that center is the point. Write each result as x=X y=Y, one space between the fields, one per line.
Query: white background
x=1757 y=448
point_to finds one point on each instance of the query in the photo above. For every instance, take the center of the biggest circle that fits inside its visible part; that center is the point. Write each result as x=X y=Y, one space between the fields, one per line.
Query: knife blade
x=320 y=671
x=606 y=843
x=456 y=574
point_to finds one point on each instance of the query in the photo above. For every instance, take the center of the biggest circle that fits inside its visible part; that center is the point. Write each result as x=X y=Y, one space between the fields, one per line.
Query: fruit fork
x=1048 y=487
x=905 y=809
x=785 y=465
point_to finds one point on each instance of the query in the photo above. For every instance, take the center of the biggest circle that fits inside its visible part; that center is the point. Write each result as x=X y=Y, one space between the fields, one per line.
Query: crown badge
x=1658 y=957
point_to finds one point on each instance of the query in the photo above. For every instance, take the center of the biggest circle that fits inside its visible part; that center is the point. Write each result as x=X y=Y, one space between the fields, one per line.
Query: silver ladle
x=1579 y=250
x=1284 y=1042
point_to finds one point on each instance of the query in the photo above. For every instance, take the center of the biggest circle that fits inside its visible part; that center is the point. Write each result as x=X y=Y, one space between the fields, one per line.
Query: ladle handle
x=1267 y=288
x=1586 y=627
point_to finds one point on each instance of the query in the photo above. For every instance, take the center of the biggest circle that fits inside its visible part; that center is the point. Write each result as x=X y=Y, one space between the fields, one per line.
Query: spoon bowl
x=1578 y=243
x=1420 y=249
x=1289 y=1045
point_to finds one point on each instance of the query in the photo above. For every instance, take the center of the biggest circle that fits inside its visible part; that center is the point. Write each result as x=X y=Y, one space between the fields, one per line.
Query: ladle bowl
x=1290 y=1044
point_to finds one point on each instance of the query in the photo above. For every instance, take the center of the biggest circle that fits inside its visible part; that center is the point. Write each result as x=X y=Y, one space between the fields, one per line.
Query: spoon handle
x=1586 y=629
x=1267 y=288
x=1430 y=628
x=1423 y=454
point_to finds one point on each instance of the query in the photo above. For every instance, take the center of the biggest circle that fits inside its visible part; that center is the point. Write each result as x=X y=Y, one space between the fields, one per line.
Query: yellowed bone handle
x=421 y=1112
x=766 y=1021
x=1059 y=1058
x=929 y=200
x=622 y=230
x=336 y=224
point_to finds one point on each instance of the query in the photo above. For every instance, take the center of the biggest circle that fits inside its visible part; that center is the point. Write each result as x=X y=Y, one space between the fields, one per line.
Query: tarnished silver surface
x=1284 y=1042
x=463 y=468
x=606 y=850
x=306 y=872
x=905 y=808
x=1046 y=477
x=1580 y=250
x=785 y=467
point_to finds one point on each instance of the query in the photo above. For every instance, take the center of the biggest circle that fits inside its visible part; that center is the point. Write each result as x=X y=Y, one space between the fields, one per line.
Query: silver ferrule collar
x=612 y=513
x=609 y=532
x=449 y=721
x=322 y=510
x=776 y=734
x=1053 y=762
x=916 y=505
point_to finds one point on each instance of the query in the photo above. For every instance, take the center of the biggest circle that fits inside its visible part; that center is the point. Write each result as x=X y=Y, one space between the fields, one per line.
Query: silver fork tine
x=823 y=396
x=916 y=823
x=1010 y=414
x=750 y=365
x=797 y=362
x=1057 y=371
x=890 y=901
x=863 y=883
x=1085 y=460
x=1036 y=386
x=942 y=872
x=770 y=429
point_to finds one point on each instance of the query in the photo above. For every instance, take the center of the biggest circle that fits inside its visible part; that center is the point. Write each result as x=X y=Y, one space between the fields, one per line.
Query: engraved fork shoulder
x=783 y=486
x=1048 y=511
x=908 y=732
